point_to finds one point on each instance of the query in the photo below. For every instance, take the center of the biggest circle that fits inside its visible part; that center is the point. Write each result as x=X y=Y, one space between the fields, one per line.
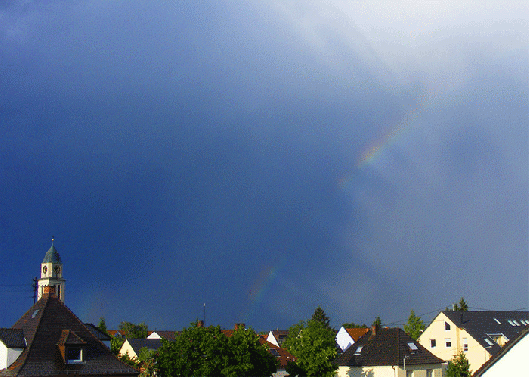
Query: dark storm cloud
x=179 y=151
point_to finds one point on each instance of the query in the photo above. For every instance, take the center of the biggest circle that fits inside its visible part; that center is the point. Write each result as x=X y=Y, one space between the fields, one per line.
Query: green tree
x=102 y=326
x=415 y=326
x=248 y=357
x=377 y=322
x=320 y=316
x=458 y=366
x=460 y=306
x=133 y=331
x=206 y=351
x=314 y=346
x=116 y=342
x=353 y=325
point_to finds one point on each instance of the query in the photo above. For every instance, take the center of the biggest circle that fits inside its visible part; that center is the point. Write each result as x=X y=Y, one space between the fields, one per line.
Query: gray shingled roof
x=387 y=347
x=12 y=338
x=52 y=256
x=138 y=344
x=481 y=324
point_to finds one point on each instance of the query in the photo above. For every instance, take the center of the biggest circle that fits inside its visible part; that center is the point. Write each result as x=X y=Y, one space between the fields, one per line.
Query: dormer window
x=74 y=355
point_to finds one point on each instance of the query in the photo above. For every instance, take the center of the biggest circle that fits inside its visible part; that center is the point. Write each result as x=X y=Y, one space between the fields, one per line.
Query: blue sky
x=265 y=157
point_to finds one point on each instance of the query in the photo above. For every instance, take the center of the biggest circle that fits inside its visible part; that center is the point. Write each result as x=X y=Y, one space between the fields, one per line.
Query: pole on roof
x=35 y=287
x=204 y=314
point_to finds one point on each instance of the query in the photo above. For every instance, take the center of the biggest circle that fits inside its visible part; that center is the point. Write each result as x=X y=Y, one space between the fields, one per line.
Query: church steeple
x=51 y=273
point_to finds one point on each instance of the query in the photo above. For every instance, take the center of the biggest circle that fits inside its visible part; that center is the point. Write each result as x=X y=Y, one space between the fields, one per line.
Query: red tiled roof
x=357 y=333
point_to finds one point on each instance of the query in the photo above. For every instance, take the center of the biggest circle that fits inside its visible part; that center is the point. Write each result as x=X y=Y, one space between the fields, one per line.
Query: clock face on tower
x=44 y=270
x=57 y=270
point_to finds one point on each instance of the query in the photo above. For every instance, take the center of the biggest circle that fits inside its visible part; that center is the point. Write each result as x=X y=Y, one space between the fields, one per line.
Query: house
x=512 y=359
x=346 y=337
x=49 y=339
x=12 y=343
x=277 y=337
x=162 y=334
x=132 y=347
x=478 y=334
x=103 y=337
x=58 y=343
x=388 y=352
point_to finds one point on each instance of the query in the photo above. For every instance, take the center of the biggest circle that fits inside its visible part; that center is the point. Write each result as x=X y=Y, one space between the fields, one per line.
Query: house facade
x=477 y=334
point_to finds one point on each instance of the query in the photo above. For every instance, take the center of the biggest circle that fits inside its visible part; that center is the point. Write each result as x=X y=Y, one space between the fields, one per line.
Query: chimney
x=241 y=326
x=200 y=323
x=48 y=290
x=374 y=329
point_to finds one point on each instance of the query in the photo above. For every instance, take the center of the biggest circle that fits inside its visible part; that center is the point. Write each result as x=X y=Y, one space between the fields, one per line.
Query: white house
x=511 y=361
x=12 y=344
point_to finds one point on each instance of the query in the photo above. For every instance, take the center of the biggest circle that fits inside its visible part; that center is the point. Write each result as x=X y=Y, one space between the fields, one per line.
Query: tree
x=102 y=326
x=460 y=306
x=377 y=322
x=458 y=366
x=206 y=351
x=353 y=325
x=314 y=346
x=116 y=342
x=415 y=326
x=320 y=316
x=133 y=331
x=248 y=357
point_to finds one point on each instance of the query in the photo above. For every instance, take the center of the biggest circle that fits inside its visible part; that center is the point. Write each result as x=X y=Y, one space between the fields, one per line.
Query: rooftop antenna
x=204 y=314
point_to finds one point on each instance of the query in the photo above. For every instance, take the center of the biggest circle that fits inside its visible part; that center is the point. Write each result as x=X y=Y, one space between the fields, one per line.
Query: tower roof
x=52 y=256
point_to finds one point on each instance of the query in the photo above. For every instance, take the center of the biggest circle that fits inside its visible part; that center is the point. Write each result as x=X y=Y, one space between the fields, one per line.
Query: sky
x=248 y=161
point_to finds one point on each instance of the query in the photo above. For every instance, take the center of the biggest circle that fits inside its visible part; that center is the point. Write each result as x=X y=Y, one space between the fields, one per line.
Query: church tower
x=51 y=273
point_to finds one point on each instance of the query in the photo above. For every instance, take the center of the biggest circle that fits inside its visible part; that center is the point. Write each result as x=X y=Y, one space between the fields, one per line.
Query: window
x=413 y=346
x=448 y=342
x=409 y=373
x=74 y=355
x=497 y=321
x=433 y=343
x=447 y=326
x=358 y=350
x=429 y=373
x=465 y=345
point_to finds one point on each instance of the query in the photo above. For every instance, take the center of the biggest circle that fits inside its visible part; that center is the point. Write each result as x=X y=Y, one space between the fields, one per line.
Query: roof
x=388 y=347
x=52 y=256
x=98 y=333
x=138 y=344
x=49 y=326
x=165 y=334
x=12 y=338
x=481 y=324
x=357 y=332
x=506 y=348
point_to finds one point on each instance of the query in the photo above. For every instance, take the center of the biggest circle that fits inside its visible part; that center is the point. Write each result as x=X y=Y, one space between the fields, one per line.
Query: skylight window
x=489 y=342
x=516 y=322
x=35 y=313
x=412 y=346
x=497 y=321
x=359 y=350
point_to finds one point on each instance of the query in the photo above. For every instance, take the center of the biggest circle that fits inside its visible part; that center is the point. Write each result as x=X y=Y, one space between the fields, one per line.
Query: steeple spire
x=51 y=273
